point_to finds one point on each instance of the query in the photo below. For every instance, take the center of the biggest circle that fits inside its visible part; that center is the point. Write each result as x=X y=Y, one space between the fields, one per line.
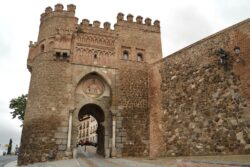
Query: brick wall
x=46 y=118
x=133 y=100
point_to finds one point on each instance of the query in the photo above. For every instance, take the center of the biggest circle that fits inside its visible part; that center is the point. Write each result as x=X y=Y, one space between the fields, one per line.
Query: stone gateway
x=193 y=102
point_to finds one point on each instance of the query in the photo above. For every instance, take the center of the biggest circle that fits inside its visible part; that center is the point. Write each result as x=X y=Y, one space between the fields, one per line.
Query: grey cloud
x=232 y=12
x=190 y=26
x=9 y=130
x=6 y=133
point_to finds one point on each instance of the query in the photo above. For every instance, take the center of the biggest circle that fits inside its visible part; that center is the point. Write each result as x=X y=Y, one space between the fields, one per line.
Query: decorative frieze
x=89 y=52
x=96 y=40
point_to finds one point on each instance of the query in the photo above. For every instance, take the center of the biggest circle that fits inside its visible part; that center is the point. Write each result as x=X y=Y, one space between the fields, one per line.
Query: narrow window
x=42 y=48
x=95 y=56
x=65 y=54
x=58 y=54
x=139 y=57
x=125 y=55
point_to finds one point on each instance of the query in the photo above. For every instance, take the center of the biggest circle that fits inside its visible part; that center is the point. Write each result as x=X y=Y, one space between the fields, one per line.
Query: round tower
x=52 y=22
x=45 y=127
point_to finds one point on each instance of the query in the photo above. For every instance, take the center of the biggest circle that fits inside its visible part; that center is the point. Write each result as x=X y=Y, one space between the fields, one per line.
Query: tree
x=18 y=105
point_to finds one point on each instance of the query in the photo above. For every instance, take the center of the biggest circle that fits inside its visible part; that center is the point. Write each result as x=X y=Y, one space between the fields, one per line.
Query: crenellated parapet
x=95 y=27
x=138 y=23
x=60 y=34
x=58 y=11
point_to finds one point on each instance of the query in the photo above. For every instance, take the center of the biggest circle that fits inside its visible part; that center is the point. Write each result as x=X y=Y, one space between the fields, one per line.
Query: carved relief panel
x=93 y=87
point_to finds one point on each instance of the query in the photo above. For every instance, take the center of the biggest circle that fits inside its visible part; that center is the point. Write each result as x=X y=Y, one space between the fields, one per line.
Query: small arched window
x=125 y=55
x=139 y=57
x=42 y=48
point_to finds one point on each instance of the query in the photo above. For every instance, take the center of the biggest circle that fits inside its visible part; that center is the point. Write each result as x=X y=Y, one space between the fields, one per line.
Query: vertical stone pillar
x=70 y=129
x=68 y=151
x=113 y=153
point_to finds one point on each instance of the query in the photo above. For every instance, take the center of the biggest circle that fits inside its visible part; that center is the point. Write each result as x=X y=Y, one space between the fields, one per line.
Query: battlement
x=138 y=23
x=58 y=11
x=96 y=24
x=95 y=27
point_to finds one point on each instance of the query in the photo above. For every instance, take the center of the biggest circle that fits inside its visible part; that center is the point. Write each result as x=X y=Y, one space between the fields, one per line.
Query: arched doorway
x=97 y=113
x=93 y=97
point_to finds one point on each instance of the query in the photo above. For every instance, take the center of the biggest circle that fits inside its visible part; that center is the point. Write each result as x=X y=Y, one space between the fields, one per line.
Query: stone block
x=61 y=135
x=240 y=137
x=63 y=129
x=118 y=139
x=62 y=147
x=58 y=141
x=64 y=141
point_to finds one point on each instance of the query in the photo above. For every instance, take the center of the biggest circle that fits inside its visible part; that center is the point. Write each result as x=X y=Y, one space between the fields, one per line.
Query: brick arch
x=94 y=110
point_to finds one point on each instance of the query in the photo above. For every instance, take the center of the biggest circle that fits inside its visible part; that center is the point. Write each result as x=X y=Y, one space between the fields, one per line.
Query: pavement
x=6 y=159
x=91 y=159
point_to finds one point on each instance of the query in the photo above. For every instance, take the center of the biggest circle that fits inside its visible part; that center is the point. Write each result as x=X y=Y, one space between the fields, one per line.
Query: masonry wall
x=133 y=117
x=203 y=106
x=46 y=120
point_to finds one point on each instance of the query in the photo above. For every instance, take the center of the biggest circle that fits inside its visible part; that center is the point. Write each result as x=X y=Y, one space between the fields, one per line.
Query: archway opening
x=90 y=129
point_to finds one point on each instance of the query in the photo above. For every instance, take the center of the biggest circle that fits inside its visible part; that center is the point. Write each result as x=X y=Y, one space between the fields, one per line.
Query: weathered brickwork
x=185 y=104
x=205 y=104
x=133 y=93
x=66 y=56
x=48 y=98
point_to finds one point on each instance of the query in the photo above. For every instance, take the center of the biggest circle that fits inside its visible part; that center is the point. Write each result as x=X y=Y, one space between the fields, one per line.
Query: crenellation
x=148 y=21
x=120 y=17
x=31 y=44
x=139 y=19
x=85 y=23
x=48 y=10
x=157 y=23
x=137 y=24
x=58 y=11
x=106 y=25
x=95 y=27
x=96 y=24
x=130 y=18
x=71 y=8
x=58 y=7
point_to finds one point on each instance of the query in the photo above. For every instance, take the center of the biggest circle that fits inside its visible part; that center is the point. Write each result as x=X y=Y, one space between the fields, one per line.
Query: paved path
x=6 y=159
x=90 y=159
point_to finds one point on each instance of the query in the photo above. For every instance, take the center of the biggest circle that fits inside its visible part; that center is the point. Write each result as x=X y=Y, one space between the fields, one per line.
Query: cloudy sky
x=182 y=23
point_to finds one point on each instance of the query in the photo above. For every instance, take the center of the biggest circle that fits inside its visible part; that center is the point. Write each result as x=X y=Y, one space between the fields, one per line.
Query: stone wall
x=133 y=132
x=204 y=105
x=46 y=119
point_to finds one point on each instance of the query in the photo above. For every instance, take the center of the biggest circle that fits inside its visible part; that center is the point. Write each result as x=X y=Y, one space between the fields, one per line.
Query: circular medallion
x=93 y=87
